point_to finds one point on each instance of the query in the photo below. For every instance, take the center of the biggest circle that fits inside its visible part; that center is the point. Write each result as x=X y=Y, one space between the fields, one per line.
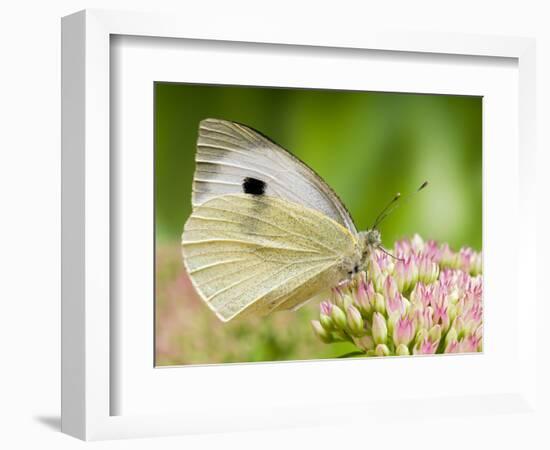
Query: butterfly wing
x=229 y=154
x=251 y=254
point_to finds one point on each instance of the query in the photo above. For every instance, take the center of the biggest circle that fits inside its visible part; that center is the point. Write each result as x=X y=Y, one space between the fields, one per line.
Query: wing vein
x=238 y=241
x=216 y=181
x=262 y=280
x=223 y=275
x=215 y=264
x=332 y=250
x=212 y=130
x=281 y=298
x=223 y=147
x=289 y=193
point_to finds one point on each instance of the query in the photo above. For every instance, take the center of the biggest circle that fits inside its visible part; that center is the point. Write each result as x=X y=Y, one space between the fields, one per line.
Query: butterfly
x=266 y=232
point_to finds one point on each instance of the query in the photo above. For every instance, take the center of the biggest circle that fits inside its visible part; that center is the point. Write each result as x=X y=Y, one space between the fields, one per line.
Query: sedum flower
x=402 y=350
x=379 y=328
x=325 y=316
x=382 y=350
x=403 y=331
x=405 y=273
x=355 y=321
x=428 y=301
x=321 y=332
x=338 y=317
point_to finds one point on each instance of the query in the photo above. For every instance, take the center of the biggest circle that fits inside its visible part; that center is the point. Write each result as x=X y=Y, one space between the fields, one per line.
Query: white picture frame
x=91 y=339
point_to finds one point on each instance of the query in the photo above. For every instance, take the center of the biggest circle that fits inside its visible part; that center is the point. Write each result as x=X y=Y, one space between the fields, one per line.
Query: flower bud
x=428 y=317
x=428 y=271
x=405 y=274
x=470 y=344
x=325 y=308
x=459 y=327
x=416 y=313
x=375 y=274
x=425 y=347
x=446 y=256
x=445 y=322
x=470 y=325
x=452 y=347
x=421 y=335
x=435 y=333
x=439 y=311
x=403 y=331
x=361 y=298
x=406 y=305
x=452 y=311
x=417 y=243
x=326 y=322
x=348 y=300
x=379 y=328
x=400 y=275
x=324 y=316
x=337 y=297
x=338 y=317
x=379 y=303
x=466 y=256
x=452 y=335
x=390 y=287
x=395 y=304
x=416 y=293
x=355 y=321
x=402 y=350
x=370 y=292
x=451 y=341
x=382 y=350
x=365 y=343
x=321 y=333
x=453 y=297
x=383 y=261
x=477 y=264
x=455 y=262
x=391 y=320
x=478 y=333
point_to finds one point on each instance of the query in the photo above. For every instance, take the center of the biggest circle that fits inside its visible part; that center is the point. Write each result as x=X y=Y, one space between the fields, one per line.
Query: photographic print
x=297 y=224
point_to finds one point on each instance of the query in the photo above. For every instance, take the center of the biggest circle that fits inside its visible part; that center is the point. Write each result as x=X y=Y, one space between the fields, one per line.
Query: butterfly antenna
x=390 y=207
x=378 y=218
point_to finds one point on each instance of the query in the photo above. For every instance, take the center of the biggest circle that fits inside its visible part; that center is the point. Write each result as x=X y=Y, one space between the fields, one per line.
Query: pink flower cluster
x=427 y=301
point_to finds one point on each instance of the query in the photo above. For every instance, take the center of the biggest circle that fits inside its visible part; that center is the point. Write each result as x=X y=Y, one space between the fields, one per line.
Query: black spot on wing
x=254 y=186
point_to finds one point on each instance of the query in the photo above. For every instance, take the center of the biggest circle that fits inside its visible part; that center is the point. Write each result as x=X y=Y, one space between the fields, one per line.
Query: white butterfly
x=266 y=232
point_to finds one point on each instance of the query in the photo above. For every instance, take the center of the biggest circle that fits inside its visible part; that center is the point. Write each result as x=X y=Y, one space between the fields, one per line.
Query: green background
x=366 y=145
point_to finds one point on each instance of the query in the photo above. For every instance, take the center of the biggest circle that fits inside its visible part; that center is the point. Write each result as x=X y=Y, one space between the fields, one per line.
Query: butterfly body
x=266 y=232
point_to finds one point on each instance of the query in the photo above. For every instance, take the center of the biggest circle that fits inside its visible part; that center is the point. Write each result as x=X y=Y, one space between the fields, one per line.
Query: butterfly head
x=369 y=241
x=372 y=238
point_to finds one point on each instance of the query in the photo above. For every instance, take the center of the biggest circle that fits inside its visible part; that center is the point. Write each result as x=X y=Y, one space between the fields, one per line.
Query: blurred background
x=366 y=145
